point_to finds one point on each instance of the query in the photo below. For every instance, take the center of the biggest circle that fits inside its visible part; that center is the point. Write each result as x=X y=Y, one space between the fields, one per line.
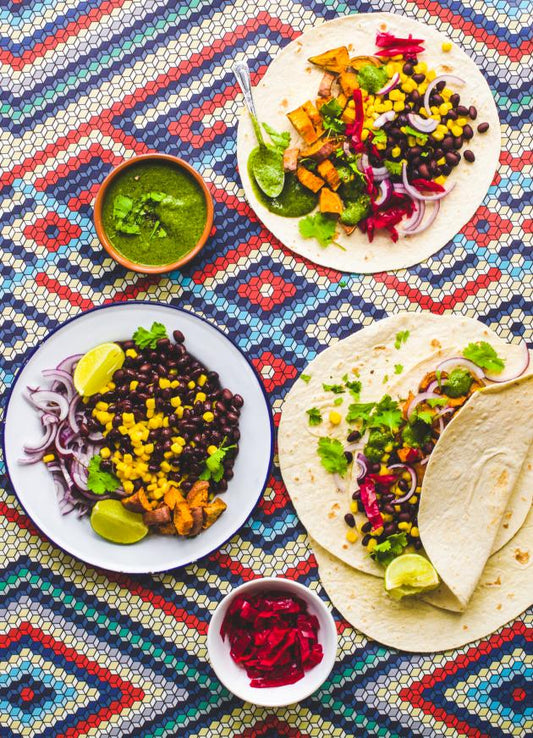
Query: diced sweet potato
x=303 y=124
x=330 y=202
x=322 y=151
x=342 y=100
x=309 y=180
x=168 y=529
x=213 y=511
x=314 y=116
x=334 y=60
x=173 y=495
x=145 y=502
x=326 y=82
x=160 y=516
x=348 y=229
x=183 y=519
x=348 y=82
x=348 y=114
x=199 y=494
x=290 y=160
x=198 y=521
x=133 y=503
x=328 y=172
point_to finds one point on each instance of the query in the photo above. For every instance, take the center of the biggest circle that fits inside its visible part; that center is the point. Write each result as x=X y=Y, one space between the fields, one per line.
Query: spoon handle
x=242 y=74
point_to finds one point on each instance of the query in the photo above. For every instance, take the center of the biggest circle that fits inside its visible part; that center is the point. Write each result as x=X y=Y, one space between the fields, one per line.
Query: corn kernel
x=372 y=543
x=387 y=105
x=165 y=467
x=335 y=418
x=415 y=532
x=456 y=130
x=138 y=451
x=461 y=121
x=133 y=385
x=399 y=106
x=208 y=417
x=447 y=46
x=180 y=440
x=105 y=453
x=111 y=386
x=168 y=455
x=132 y=353
x=174 y=384
x=176 y=449
x=364 y=134
x=430 y=76
x=175 y=401
x=386 y=517
x=48 y=458
x=405 y=526
x=164 y=383
x=101 y=406
x=351 y=536
x=440 y=180
x=150 y=403
x=128 y=487
x=191 y=384
x=377 y=531
x=158 y=493
x=200 y=397
x=421 y=68
x=179 y=412
x=396 y=152
x=211 y=450
x=413 y=500
x=395 y=95
x=128 y=419
x=353 y=506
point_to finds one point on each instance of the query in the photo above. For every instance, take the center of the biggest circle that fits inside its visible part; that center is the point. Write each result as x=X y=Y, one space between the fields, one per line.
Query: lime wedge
x=96 y=367
x=410 y=574
x=111 y=520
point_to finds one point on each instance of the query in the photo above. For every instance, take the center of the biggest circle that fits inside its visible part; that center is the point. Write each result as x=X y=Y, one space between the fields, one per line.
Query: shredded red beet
x=390 y=45
x=426 y=184
x=370 y=502
x=273 y=637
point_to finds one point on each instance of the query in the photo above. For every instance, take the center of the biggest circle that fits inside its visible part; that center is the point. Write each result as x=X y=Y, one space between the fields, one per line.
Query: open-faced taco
x=390 y=139
x=408 y=444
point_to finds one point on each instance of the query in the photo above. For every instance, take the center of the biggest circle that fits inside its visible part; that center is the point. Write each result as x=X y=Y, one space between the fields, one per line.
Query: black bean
x=348 y=456
x=447 y=143
x=438 y=153
x=128 y=345
x=469 y=156
x=419 y=78
x=354 y=436
x=230 y=417
x=404 y=485
x=388 y=509
x=417 y=544
x=227 y=395
x=446 y=170
x=389 y=529
x=455 y=99
x=468 y=133
x=366 y=540
x=374 y=468
x=424 y=171
x=404 y=517
x=178 y=336
x=235 y=434
x=472 y=112
x=238 y=401
x=349 y=520
x=451 y=115
x=356 y=495
x=408 y=69
x=453 y=158
x=440 y=86
x=437 y=99
x=222 y=485
x=482 y=128
x=462 y=110
x=457 y=142
x=366 y=527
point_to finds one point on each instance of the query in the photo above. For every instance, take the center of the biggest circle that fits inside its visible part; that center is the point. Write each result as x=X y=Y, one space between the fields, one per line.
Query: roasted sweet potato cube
x=348 y=114
x=335 y=60
x=183 y=519
x=173 y=495
x=328 y=171
x=213 y=511
x=342 y=100
x=133 y=503
x=348 y=82
x=321 y=101
x=198 y=520
x=303 y=124
x=314 y=116
x=309 y=180
x=160 y=516
x=145 y=502
x=330 y=202
x=199 y=494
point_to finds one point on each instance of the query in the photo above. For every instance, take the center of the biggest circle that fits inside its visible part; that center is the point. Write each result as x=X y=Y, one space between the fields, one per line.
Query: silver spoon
x=266 y=163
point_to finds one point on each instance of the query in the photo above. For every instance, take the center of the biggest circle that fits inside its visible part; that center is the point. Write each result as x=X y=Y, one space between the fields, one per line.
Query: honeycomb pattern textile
x=85 y=85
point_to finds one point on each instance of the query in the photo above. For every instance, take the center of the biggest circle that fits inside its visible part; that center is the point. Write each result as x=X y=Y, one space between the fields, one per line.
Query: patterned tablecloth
x=85 y=85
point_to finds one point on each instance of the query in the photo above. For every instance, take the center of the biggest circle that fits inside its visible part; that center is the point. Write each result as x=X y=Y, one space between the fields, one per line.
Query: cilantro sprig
x=315 y=416
x=130 y=213
x=483 y=355
x=337 y=389
x=148 y=338
x=99 y=481
x=331 y=453
x=331 y=121
x=214 y=466
x=321 y=227
x=389 y=549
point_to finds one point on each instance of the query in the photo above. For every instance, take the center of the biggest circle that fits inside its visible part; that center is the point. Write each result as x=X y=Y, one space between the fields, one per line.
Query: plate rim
x=8 y=397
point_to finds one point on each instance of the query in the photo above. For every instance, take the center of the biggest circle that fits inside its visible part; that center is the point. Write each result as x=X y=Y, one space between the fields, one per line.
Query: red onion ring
x=44 y=399
x=414 y=219
x=378 y=172
x=391 y=84
x=386 y=191
x=456 y=361
x=435 y=82
x=424 y=125
x=502 y=377
x=422 y=225
x=416 y=195
x=386 y=117
x=414 y=481
x=417 y=399
x=43 y=444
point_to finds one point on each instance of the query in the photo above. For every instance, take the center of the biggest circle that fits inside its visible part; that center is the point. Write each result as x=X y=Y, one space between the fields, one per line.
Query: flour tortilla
x=371 y=352
x=503 y=592
x=291 y=81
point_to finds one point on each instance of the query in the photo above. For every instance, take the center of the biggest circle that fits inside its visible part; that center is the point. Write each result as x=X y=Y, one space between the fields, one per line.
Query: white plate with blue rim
x=33 y=484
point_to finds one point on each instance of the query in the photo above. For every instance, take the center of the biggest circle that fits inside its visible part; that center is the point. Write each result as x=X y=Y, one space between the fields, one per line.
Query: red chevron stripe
x=247 y=574
x=65 y=293
x=60 y=37
x=96 y=150
x=22 y=520
x=515 y=53
x=417 y=297
x=517 y=163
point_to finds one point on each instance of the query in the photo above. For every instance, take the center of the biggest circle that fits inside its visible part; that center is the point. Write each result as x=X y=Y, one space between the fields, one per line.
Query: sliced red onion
x=58 y=376
x=96 y=436
x=421 y=397
x=441 y=78
x=422 y=225
x=513 y=374
x=400 y=189
x=48 y=400
x=386 y=117
x=424 y=461
x=455 y=361
x=391 y=84
x=424 y=125
x=44 y=443
x=363 y=466
x=378 y=172
x=346 y=148
x=412 y=489
x=416 y=195
x=386 y=191
x=409 y=225
x=68 y=365
x=73 y=422
x=79 y=475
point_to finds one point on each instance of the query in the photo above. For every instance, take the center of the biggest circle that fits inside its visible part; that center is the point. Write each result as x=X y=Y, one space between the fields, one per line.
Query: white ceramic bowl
x=234 y=677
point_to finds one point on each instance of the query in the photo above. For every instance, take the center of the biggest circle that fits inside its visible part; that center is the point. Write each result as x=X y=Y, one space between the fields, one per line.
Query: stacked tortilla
x=474 y=517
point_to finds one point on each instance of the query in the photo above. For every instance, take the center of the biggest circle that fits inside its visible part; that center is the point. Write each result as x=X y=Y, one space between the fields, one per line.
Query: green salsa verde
x=295 y=199
x=154 y=212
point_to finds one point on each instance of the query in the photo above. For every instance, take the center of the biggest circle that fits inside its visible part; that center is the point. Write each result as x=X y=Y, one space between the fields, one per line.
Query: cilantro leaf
x=99 y=481
x=305 y=378
x=280 y=140
x=389 y=549
x=315 y=416
x=424 y=416
x=436 y=401
x=393 y=167
x=122 y=205
x=338 y=401
x=483 y=355
x=387 y=413
x=413 y=132
x=398 y=368
x=359 y=411
x=337 y=389
x=401 y=337
x=318 y=226
x=214 y=467
x=354 y=388
x=331 y=453
x=379 y=136
x=330 y=113
x=149 y=338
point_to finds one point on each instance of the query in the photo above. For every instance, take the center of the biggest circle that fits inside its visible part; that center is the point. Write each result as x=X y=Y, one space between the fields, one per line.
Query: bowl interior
x=234 y=677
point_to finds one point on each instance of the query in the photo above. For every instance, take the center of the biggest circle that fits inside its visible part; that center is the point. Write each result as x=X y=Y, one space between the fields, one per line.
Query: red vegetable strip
x=427 y=184
x=384 y=40
x=370 y=502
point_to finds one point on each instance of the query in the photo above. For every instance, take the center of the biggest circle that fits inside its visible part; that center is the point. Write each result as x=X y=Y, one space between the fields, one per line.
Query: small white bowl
x=234 y=677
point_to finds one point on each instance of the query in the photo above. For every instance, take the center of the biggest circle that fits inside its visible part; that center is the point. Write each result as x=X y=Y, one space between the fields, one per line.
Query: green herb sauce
x=295 y=199
x=162 y=229
x=372 y=78
x=458 y=383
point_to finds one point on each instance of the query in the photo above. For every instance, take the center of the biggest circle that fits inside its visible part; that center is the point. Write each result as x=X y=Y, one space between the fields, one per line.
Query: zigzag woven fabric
x=85 y=85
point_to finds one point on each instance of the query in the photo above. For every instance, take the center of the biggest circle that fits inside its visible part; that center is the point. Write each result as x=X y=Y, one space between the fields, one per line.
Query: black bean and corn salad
x=380 y=140
x=161 y=435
